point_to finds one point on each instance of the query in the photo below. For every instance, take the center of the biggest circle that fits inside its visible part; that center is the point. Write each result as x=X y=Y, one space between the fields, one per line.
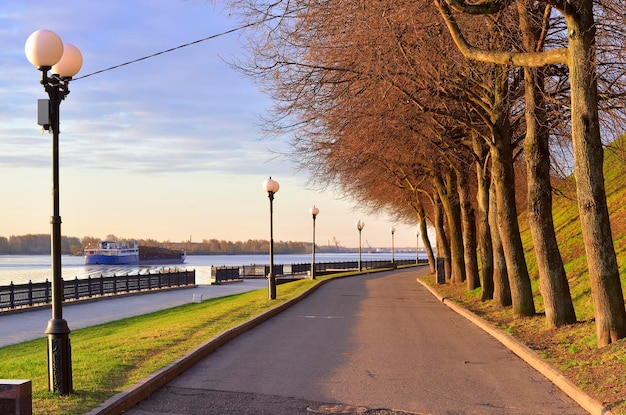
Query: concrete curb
x=141 y=390
x=528 y=355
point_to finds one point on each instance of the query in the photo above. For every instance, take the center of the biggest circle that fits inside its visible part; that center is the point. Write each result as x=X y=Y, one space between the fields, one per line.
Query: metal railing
x=37 y=293
x=233 y=273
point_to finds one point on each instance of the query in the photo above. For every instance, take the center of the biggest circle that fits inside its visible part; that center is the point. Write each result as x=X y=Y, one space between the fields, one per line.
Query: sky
x=169 y=148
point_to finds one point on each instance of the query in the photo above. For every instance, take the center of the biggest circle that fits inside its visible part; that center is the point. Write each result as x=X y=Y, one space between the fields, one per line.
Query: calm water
x=36 y=268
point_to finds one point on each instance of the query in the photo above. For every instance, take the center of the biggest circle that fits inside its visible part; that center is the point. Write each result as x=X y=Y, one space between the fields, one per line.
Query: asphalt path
x=377 y=343
x=29 y=324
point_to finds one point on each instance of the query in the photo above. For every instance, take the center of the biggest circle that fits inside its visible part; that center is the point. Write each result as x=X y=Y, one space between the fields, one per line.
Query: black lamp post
x=314 y=212
x=271 y=187
x=417 y=249
x=359 y=225
x=45 y=50
x=393 y=249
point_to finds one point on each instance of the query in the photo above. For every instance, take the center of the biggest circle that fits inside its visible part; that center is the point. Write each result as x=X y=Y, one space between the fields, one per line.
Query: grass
x=110 y=357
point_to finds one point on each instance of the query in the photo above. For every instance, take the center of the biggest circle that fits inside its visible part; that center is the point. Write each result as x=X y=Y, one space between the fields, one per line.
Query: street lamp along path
x=271 y=187
x=360 y=225
x=46 y=51
x=393 y=249
x=314 y=211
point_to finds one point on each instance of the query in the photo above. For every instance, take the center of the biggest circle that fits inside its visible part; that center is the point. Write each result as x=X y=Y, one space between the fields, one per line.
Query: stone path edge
x=528 y=355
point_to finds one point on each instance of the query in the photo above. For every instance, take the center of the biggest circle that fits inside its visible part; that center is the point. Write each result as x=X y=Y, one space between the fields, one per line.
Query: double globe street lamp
x=271 y=187
x=45 y=50
x=360 y=225
x=314 y=212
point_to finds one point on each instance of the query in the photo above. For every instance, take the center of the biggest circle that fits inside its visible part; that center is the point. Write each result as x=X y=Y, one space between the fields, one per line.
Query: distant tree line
x=36 y=244
x=39 y=244
x=251 y=246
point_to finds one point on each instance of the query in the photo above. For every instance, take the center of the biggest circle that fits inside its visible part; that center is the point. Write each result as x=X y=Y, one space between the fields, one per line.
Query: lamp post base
x=59 y=357
x=271 y=280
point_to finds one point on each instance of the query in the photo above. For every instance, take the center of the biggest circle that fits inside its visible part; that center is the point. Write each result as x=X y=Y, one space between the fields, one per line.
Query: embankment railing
x=232 y=273
x=37 y=293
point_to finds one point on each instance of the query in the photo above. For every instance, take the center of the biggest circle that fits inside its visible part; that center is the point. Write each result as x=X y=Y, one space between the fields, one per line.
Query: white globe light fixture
x=270 y=185
x=70 y=63
x=43 y=48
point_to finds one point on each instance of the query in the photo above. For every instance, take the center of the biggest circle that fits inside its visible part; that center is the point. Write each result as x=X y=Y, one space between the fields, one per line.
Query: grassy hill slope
x=569 y=232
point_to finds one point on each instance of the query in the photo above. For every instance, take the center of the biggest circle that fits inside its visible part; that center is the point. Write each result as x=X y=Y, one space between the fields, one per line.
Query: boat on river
x=129 y=252
x=112 y=253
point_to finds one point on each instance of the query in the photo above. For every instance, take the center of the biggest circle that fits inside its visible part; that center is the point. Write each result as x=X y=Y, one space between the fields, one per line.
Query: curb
x=528 y=355
x=141 y=390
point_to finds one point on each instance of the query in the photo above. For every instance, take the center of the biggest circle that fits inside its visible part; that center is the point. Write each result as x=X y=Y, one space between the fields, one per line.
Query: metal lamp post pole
x=59 y=349
x=45 y=50
x=393 y=249
x=314 y=212
x=271 y=187
x=417 y=249
x=271 y=276
x=359 y=225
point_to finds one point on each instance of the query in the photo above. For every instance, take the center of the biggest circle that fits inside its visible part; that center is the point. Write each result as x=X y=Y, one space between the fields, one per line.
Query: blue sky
x=168 y=148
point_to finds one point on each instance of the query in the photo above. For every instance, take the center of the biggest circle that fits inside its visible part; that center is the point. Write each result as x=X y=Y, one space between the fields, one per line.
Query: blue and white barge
x=112 y=253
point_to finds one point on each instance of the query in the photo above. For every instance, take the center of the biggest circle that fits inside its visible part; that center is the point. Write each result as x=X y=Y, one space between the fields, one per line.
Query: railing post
x=12 y=295
x=47 y=291
x=76 y=288
x=30 y=293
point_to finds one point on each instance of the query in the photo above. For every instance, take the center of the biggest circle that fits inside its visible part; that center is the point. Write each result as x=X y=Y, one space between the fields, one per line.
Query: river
x=21 y=269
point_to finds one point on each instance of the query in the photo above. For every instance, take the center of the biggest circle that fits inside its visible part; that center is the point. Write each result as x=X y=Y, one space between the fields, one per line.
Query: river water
x=21 y=269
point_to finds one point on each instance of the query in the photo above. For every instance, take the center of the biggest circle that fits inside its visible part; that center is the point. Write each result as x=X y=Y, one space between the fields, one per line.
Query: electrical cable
x=175 y=48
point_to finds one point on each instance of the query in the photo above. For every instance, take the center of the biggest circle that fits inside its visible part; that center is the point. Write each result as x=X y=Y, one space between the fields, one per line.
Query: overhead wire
x=175 y=48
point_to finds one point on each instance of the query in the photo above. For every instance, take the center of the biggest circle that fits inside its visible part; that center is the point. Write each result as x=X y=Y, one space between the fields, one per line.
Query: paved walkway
x=377 y=343
x=30 y=324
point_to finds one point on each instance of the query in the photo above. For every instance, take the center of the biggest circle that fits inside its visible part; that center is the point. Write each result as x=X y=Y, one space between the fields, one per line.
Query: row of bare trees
x=432 y=110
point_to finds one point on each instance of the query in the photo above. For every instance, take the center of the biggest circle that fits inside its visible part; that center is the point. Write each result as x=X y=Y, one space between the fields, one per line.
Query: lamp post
x=359 y=225
x=45 y=50
x=271 y=187
x=417 y=249
x=313 y=211
x=393 y=249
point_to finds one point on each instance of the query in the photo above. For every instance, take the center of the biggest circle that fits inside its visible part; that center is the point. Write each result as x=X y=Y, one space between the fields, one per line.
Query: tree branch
x=526 y=59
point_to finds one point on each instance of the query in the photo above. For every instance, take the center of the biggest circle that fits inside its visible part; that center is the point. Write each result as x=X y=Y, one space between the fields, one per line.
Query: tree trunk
x=553 y=283
x=443 y=247
x=508 y=227
x=606 y=289
x=484 y=231
x=468 y=223
x=501 y=287
x=424 y=234
x=452 y=208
